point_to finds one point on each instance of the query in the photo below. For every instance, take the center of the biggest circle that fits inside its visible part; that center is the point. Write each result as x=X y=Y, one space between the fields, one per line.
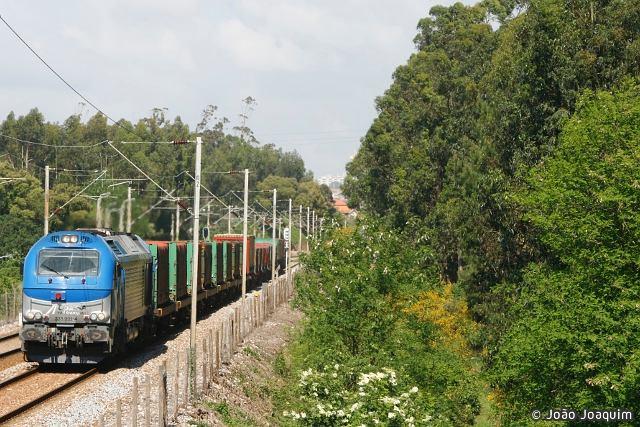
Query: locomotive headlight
x=102 y=316
x=70 y=238
x=29 y=315
x=94 y=316
x=37 y=316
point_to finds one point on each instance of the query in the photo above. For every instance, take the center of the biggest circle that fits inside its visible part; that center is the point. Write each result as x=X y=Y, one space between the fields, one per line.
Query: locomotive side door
x=118 y=294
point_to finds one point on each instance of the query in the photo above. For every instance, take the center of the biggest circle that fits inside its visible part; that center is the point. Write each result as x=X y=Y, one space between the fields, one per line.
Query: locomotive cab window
x=68 y=262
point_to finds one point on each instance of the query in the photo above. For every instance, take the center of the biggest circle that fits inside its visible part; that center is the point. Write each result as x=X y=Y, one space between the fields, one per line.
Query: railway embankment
x=149 y=386
x=244 y=392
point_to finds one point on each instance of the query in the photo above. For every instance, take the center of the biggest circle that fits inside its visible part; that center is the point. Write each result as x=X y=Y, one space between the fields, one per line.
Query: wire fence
x=160 y=399
x=10 y=305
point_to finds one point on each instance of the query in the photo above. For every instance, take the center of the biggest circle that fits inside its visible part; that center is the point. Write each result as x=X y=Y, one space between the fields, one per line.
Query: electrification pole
x=208 y=216
x=177 y=221
x=194 y=264
x=255 y=224
x=229 y=221
x=313 y=224
x=300 y=236
x=46 y=200
x=128 y=209
x=173 y=231
x=245 y=260
x=308 y=225
x=273 y=242
x=99 y=212
x=289 y=242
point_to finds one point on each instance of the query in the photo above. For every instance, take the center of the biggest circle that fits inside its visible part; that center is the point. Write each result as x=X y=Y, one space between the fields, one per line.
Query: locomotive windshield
x=68 y=262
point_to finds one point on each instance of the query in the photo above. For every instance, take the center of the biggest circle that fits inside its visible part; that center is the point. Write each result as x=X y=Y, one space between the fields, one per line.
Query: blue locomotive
x=88 y=293
x=85 y=295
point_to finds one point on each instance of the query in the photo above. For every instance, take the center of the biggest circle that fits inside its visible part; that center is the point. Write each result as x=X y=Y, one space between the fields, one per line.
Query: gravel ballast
x=96 y=397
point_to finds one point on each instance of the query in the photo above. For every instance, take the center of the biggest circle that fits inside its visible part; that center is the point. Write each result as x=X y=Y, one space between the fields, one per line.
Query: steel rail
x=27 y=372
x=45 y=396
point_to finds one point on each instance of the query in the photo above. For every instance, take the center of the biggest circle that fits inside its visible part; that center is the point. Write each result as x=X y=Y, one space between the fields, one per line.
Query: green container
x=178 y=271
x=237 y=260
x=214 y=262
x=228 y=259
x=154 y=293
x=160 y=292
x=189 y=265
x=219 y=272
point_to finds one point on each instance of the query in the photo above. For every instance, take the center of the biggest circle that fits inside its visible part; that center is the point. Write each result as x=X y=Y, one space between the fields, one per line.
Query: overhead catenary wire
x=142 y=172
x=25 y=141
x=62 y=79
x=92 y=104
x=77 y=194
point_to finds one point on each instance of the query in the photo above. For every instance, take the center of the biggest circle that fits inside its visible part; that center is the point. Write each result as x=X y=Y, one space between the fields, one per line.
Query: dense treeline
x=508 y=146
x=77 y=153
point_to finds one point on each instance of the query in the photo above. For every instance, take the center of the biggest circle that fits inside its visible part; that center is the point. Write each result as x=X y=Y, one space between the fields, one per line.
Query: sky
x=314 y=67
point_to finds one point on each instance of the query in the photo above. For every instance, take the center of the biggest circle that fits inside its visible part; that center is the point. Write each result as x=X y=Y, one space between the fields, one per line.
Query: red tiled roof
x=341 y=206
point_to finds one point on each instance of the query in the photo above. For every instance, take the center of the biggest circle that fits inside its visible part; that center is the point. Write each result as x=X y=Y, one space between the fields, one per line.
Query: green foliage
x=471 y=112
x=538 y=230
x=380 y=398
x=10 y=277
x=576 y=331
x=356 y=291
x=76 y=152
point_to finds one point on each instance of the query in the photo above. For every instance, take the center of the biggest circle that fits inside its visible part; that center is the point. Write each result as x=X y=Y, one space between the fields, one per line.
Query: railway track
x=9 y=343
x=32 y=387
x=10 y=354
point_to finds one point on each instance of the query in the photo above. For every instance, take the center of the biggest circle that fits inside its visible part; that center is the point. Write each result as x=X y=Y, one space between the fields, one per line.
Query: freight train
x=89 y=293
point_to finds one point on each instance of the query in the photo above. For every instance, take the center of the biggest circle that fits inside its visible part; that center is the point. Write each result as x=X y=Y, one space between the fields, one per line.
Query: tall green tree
x=576 y=329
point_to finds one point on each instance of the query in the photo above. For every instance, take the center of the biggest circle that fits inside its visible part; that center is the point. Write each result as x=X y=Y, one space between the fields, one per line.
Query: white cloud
x=315 y=66
x=259 y=51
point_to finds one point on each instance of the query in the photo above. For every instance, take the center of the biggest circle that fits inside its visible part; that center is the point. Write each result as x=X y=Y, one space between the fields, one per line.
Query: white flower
x=355 y=406
x=390 y=400
x=303 y=415
x=334 y=375
x=414 y=389
x=391 y=415
x=336 y=366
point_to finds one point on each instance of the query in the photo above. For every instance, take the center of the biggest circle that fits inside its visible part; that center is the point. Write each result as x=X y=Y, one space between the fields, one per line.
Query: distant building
x=334 y=182
x=331 y=181
x=341 y=206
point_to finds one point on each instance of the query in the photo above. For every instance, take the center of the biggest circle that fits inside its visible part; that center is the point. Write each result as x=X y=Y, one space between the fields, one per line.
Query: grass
x=230 y=415
x=280 y=365
x=251 y=352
